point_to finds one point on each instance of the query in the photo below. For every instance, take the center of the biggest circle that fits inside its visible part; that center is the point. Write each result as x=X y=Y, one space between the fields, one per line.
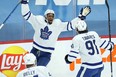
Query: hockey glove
x=66 y=59
x=112 y=46
x=84 y=12
x=24 y=1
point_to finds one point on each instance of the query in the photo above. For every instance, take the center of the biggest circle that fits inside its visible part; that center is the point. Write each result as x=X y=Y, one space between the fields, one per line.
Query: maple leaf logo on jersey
x=45 y=33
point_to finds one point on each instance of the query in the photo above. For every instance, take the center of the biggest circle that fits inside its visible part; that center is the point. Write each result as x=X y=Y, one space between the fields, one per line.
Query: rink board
x=57 y=65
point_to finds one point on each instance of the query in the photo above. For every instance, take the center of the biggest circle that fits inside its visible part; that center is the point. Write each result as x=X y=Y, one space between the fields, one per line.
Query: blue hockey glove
x=24 y=1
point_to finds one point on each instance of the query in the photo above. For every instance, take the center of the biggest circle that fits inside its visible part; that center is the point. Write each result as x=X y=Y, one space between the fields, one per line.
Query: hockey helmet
x=81 y=25
x=29 y=58
x=48 y=11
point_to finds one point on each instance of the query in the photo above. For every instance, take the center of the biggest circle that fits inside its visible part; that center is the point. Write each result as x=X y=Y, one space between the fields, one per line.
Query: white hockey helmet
x=81 y=25
x=29 y=58
x=48 y=11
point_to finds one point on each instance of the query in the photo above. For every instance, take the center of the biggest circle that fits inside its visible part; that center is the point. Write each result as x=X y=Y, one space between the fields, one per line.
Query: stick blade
x=1 y=26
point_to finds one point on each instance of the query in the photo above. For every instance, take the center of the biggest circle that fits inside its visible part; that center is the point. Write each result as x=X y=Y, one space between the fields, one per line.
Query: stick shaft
x=9 y=15
x=108 y=8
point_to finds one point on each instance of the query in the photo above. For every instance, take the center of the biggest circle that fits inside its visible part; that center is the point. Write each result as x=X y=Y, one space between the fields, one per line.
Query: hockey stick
x=9 y=15
x=108 y=8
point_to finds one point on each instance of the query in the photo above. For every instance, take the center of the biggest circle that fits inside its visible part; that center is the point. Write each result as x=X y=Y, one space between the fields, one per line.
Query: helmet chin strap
x=46 y=19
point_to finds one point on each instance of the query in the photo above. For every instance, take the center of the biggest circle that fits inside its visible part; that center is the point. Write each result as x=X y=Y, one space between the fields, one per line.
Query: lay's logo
x=11 y=61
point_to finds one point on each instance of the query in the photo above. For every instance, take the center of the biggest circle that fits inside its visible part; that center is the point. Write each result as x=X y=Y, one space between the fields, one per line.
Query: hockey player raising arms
x=87 y=44
x=47 y=30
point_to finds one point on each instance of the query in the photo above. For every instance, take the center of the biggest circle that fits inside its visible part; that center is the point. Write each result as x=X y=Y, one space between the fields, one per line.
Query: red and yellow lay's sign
x=11 y=61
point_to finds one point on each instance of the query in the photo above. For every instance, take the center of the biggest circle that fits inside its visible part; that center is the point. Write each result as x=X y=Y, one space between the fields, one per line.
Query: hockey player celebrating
x=31 y=69
x=47 y=30
x=87 y=44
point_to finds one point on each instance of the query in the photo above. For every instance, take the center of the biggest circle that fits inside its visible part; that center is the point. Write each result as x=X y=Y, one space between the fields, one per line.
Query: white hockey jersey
x=87 y=45
x=37 y=71
x=46 y=35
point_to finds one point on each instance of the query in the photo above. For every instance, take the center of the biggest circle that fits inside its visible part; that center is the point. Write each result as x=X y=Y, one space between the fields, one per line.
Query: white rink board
x=57 y=65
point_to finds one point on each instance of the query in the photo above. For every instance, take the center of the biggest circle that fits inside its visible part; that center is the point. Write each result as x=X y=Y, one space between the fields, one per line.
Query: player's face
x=50 y=18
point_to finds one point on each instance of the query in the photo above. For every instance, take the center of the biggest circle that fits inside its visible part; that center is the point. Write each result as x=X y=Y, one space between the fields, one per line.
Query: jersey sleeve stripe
x=103 y=43
x=107 y=45
x=71 y=25
x=68 y=26
x=72 y=56
x=74 y=52
x=28 y=16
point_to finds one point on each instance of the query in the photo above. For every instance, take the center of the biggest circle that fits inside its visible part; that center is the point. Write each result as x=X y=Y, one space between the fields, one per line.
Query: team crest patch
x=45 y=33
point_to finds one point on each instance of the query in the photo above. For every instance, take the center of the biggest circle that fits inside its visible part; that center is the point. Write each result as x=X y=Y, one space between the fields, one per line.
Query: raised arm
x=82 y=16
x=26 y=13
